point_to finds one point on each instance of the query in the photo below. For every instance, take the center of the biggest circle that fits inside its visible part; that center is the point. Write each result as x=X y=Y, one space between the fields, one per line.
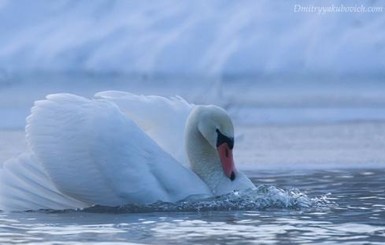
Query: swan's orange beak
x=226 y=157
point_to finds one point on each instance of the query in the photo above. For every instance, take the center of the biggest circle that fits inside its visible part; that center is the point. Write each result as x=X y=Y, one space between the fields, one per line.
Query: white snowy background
x=215 y=37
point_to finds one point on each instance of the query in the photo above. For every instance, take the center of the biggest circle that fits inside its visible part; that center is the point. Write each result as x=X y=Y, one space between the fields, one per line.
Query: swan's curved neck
x=203 y=157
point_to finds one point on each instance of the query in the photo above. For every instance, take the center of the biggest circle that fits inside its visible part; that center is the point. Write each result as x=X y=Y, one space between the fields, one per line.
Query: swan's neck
x=203 y=158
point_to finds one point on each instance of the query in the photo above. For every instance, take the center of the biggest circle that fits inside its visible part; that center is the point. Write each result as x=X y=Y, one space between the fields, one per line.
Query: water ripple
x=261 y=198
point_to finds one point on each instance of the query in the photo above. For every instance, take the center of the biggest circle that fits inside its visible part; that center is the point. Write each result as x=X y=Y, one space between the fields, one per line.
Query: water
x=337 y=206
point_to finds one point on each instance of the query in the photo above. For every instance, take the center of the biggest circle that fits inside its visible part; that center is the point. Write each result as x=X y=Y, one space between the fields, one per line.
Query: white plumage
x=115 y=149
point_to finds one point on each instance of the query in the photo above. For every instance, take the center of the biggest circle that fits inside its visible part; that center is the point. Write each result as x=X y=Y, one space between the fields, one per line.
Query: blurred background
x=269 y=63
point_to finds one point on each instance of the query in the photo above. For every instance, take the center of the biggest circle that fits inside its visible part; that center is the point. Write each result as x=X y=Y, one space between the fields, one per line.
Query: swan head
x=215 y=136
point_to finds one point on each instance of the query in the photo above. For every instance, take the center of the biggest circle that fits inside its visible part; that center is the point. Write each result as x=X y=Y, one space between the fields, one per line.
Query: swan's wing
x=24 y=185
x=163 y=119
x=93 y=153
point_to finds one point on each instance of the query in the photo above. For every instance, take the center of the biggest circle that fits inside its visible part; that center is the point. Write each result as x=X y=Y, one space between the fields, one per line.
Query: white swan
x=120 y=148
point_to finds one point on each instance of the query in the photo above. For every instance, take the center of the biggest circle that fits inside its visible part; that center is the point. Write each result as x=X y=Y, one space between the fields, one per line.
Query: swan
x=120 y=148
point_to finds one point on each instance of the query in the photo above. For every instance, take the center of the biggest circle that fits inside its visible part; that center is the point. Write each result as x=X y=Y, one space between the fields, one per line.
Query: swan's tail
x=24 y=185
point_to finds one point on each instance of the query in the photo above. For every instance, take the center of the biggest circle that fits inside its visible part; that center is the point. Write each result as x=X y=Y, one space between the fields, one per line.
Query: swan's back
x=92 y=153
x=163 y=119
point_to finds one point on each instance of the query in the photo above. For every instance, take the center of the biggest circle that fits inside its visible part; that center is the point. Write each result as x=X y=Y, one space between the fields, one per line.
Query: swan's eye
x=221 y=138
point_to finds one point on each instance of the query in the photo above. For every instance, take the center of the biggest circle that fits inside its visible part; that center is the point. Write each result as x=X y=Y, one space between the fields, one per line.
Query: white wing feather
x=95 y=154
x=24 y=185
x=163 y=119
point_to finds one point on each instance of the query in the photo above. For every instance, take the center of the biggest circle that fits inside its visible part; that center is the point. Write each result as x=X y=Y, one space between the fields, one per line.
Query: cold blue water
x=289 y=207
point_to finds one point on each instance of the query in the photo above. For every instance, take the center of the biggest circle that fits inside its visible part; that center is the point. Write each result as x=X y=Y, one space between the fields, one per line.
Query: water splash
x=262 y=198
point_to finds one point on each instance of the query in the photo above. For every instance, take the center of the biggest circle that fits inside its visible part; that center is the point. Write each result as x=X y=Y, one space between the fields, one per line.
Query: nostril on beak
x=232 y=176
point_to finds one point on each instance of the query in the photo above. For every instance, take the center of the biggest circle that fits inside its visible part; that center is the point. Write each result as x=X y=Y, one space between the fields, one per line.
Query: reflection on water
x=353 y=213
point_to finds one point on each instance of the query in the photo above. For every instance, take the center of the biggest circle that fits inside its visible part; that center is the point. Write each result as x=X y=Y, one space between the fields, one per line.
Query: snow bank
x=201 y=37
